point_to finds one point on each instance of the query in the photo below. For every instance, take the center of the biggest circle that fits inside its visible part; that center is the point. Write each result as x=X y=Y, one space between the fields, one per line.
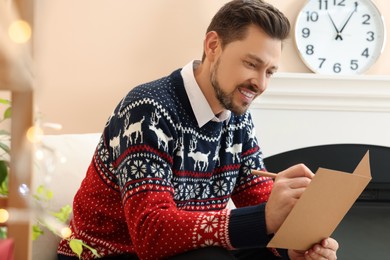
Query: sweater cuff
x=283 y=253
x=247 y=227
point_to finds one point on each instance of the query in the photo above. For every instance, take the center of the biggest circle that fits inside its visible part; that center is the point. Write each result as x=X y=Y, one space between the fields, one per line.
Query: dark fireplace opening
x=364 y=233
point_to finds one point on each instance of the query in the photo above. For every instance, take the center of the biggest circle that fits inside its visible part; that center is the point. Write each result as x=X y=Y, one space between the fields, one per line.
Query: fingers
x=288 y=187
x=294 y=180
x=295 y=177
x=313 y=256
x=296 y=194
x=330 y=243
x=320 y=254
x=299 y=182
x=298 y=170
x=325 y=250
x=291 y=187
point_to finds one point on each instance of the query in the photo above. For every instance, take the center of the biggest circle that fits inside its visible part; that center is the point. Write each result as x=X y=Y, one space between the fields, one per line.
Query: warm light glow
x=39 y=155
x=4 y=215
x=63 y=159
x=19 y=31
x=34 y=134
x=66 y=232
x=53 y=126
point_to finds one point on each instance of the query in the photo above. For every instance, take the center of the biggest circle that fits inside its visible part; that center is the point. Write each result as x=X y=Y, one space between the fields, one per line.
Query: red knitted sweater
x=158 y=185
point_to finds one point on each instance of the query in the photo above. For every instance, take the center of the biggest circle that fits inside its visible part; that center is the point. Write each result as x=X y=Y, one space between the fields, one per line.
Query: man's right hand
x=287 y=189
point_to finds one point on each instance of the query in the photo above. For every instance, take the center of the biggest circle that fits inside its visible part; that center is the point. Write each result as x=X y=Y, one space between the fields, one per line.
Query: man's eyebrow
x=259 y=60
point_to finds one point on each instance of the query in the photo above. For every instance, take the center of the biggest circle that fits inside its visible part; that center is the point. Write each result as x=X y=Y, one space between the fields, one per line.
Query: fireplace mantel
x=324 y=92
x=302 y=110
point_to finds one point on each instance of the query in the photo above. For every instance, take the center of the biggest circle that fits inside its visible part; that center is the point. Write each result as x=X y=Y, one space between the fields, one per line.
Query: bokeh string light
x=45 y=160
x=16 y=69
x=19 y=31
x=4 y=215
x=15 y=47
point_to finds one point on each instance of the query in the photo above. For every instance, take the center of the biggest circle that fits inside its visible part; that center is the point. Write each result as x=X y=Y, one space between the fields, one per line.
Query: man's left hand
x=326 y=250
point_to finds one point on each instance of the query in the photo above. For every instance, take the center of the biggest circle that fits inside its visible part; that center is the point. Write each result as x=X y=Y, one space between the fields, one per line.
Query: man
x=175 y=151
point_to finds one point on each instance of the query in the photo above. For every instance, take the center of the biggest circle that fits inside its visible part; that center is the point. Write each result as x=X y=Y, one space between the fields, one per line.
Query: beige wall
x=89 y=53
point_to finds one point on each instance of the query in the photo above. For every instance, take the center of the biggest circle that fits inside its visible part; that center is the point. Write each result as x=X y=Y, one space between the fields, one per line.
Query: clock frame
x=344 y=37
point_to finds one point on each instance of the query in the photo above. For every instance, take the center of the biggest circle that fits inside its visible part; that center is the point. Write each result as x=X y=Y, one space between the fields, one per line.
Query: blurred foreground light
x=23 y=189
x=53 y=126
x=19 y=31
x=34 y=134
x=4 y=215
x=39 y=154
x=63 y=159
x=66 y=232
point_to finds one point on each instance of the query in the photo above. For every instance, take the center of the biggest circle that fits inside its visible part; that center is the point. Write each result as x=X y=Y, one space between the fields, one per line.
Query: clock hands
x=354 y=10
x=338 y=35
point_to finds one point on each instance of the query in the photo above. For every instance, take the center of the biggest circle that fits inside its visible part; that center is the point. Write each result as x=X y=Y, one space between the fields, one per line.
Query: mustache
x=249 y=86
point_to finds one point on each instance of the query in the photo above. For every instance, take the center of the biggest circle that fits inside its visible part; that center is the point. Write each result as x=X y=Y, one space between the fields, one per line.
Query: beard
x=227 y=99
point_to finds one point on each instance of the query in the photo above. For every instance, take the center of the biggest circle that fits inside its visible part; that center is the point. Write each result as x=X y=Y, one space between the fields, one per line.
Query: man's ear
x=212 y=45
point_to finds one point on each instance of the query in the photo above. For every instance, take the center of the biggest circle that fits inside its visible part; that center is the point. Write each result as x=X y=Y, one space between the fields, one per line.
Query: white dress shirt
x=199 y=104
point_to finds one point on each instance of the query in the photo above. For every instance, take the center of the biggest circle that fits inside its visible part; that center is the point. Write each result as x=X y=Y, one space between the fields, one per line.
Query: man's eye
x=250 y=64
x=270 y=73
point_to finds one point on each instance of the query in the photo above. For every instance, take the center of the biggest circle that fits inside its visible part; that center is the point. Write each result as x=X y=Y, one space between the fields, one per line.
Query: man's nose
x=259 y=83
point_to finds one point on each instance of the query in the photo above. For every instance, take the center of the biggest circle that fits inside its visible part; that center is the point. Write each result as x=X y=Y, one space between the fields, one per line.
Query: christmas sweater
x=158 y=184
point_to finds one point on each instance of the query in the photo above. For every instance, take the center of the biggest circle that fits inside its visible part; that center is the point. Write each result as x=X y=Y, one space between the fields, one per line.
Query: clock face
x=342 y=37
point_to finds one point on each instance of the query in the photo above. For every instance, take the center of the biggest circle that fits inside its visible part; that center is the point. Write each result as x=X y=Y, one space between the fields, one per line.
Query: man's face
x=243 y=69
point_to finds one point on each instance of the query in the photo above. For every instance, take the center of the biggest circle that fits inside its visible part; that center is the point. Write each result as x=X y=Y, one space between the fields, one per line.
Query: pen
x=264 y=173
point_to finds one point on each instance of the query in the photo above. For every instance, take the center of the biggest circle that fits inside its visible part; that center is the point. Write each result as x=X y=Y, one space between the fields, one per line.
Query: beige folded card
x=321 y=207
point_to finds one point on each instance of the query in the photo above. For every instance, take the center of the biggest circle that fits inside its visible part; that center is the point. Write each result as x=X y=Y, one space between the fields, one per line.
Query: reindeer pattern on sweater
x=165 y=178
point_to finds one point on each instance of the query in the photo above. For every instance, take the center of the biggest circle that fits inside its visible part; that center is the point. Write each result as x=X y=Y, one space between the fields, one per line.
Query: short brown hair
x=233 y=19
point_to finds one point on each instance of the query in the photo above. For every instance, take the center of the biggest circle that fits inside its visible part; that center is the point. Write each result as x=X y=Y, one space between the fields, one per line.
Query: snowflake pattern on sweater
x=158 y=184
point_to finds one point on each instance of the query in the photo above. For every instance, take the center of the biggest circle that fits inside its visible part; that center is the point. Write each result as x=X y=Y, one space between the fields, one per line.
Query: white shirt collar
x=199 y=104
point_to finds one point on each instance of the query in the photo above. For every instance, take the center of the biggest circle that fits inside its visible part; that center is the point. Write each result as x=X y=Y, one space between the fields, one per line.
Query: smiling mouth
x=247 y=94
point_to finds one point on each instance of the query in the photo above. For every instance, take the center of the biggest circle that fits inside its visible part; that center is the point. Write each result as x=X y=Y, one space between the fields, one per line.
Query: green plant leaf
x=3 y=232
x=4 y=132
x=40 y=189
x=77 y=246
x=63 y=214
x=3 y=171
x=39 y=192
x=36 y=232
x=4 y=187
x=43 y=194
x=5 y=101
x=5 y=147
x=49 y=194
x=7 y=113
x=93 y=250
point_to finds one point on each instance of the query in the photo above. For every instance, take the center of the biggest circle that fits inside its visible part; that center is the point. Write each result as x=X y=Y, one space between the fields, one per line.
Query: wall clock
x=342 y=37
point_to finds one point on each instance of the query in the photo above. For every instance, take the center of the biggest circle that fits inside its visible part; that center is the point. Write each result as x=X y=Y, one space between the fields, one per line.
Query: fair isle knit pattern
x=158 y=185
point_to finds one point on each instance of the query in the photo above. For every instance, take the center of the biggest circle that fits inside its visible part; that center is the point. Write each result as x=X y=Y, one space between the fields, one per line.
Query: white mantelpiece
x=300 y=110
x=341 y=93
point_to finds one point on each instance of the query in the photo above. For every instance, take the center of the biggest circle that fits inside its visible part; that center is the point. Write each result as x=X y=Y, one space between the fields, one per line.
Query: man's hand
x=325 y=250
x=287 y=189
